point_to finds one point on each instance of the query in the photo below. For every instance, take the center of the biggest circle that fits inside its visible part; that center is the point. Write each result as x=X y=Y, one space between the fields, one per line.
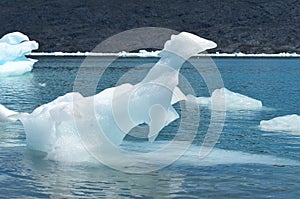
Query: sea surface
x=241 y=167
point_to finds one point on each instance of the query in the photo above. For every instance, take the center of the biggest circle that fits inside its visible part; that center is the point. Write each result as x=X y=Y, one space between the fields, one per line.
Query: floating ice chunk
x=13 y=48
x=17 y=67
x=236 y=101
x=233 y=101
x=14 y=38
x=53 y=127
x=141 y=53
x=144 y=53
x=288 y=123
x=12 y=52
x=5 y=114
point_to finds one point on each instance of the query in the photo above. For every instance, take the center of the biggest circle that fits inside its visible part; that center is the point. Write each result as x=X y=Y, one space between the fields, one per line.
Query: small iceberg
x=288 y=123
x=233 y=101
x=13 y=48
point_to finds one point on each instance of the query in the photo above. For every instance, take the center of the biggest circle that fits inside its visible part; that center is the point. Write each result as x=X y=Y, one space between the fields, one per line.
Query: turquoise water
x=276 y=82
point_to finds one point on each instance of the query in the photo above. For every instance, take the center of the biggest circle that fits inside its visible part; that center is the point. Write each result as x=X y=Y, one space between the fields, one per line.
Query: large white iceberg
x=287 y=123
x=233 y=101
x=53 y=127
x=13 y=48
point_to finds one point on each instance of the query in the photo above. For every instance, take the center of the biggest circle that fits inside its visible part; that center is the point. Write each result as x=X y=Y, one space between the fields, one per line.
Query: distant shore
x=143 y=53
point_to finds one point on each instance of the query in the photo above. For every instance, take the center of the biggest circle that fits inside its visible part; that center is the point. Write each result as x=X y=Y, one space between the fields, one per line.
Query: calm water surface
x=276 y=82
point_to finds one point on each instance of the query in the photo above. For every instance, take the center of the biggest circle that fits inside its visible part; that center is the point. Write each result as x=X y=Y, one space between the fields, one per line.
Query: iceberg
x=13 y=47
x=233 y=101
x=108 y=116
x=53 y=127
x=287 y=123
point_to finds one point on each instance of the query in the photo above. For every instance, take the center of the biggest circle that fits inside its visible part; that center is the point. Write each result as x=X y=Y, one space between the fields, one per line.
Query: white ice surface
x=13 y=48
x=287 y=123
x=224 y=99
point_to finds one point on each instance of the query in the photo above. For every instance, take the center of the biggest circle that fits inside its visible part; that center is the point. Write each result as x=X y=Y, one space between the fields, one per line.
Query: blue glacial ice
x=13 y=48
x=233 y=101
x=288 y=123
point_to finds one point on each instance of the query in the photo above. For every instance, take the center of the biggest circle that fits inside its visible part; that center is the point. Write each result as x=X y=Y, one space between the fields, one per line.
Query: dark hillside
x=252 y=26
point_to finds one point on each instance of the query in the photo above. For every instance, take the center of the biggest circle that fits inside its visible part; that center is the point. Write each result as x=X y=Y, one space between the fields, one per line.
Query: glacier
x=287 y=123
x=233 y=101
x=13 y=47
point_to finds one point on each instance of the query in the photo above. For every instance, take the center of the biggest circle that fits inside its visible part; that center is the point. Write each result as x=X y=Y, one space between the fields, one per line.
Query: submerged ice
x=13 y=48
x=287 y=123
x=233 y=101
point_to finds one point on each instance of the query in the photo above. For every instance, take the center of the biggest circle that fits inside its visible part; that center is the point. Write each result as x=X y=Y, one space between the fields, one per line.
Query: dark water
x=276 y=82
